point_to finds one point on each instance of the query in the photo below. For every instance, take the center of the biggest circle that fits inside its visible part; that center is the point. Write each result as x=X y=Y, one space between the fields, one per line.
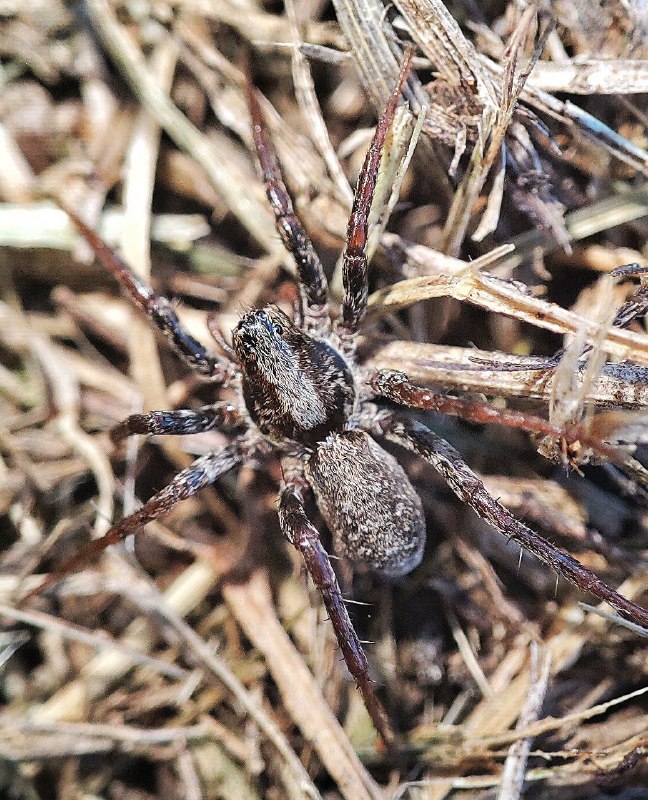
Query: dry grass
x=205 y=668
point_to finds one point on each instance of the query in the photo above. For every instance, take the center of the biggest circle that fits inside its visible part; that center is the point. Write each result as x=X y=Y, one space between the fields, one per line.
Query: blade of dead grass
x=98 y=640
x=66 y=400
x=108 y=667
x=440 y=37
x=488 y=725
x=612 y=762
x=594 y=76
x=252 y=606
x=361 y=22
x=226 y=177
x=590 y=126
x=499 y=713
x=621 y=385
x=600 y=216
x=501 y=297
x=483 y=81
x=376 y=52
x=258 y=26
x=311 y=111
x=493 y=128
x=44 y=225
x=79 y=738
x=309 y=710
x=225 y=85
x=17 y=179
x=299 y=783
x=516 y=760
x=139 y=182
x=548 y=724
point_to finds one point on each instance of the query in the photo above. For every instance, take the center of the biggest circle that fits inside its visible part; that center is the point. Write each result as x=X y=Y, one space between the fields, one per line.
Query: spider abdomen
x=368 y=503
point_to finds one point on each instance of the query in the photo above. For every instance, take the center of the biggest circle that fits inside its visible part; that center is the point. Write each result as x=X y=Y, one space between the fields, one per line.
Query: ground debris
x=514 y=184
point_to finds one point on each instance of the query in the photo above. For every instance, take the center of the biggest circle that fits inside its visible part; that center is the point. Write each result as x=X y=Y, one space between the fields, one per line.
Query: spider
x=303 y=398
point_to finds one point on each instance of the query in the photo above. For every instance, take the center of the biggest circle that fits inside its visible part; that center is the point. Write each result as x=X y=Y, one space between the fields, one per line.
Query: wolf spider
x=302 y=397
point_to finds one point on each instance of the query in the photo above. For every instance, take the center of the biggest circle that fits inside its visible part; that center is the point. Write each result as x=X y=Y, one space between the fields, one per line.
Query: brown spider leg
x=203 y=472
x=159 y=309
x=311 y=275
x=637 y=305
x=469 y=488
x=177 y=422
x=354 y=265
x=300 y=532
x=396 y=387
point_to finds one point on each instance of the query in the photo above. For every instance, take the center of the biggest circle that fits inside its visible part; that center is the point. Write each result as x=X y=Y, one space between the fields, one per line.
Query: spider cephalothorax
x=295 y=386
x=302 y=397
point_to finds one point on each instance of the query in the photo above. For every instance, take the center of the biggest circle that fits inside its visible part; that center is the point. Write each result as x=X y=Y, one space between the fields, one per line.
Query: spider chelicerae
x=304 y=398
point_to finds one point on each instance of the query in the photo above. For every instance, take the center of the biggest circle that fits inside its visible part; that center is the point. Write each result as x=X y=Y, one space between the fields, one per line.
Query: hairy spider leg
x=312 y=279
x=637 y=305
x=469 y=488
x=203 y=472
x=299 y=531
x=159 y=309
x=354 y=263
x=396 y=387
x=184 y=421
